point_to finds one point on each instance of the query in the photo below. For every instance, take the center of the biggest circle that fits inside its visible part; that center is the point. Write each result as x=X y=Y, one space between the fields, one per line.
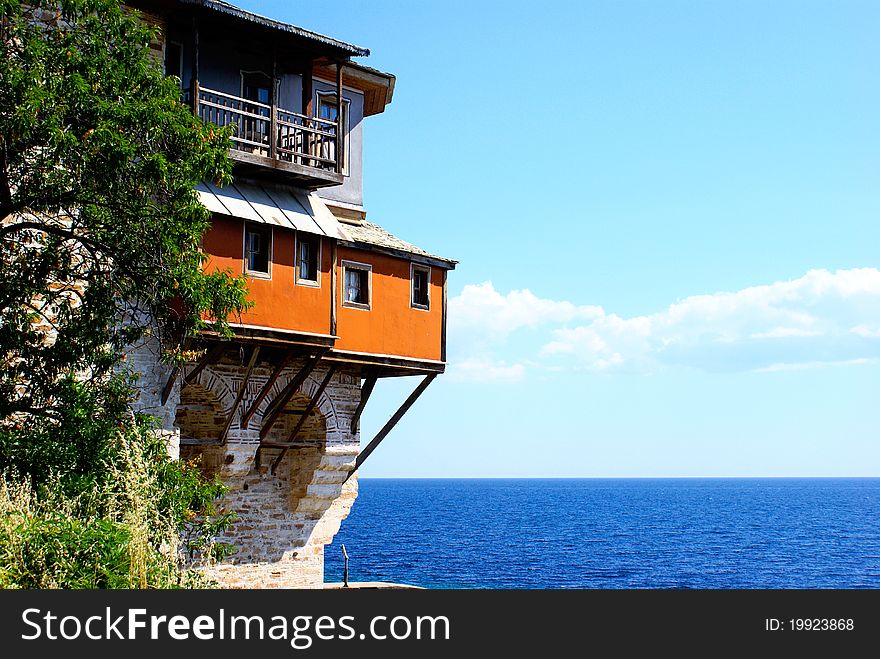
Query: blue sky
x=668 y=222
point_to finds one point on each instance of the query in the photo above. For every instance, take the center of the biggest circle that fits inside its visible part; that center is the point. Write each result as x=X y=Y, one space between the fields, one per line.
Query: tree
x=100 y=231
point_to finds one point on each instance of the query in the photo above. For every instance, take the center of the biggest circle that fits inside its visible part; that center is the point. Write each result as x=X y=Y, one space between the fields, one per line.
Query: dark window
x=357 y=285
x=257 y=248
x=420 y=277
x=309 y=254
x=174 y=60
x=328 y=110
x=255 y=86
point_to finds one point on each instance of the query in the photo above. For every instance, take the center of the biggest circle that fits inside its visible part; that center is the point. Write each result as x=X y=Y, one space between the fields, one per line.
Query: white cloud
x=485 y=370
x=480 y=307
x=821 y=318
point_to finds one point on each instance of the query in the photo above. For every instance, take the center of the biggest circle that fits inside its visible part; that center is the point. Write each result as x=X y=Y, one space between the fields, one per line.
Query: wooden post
x=340 y=122
x=308 y=111
x=209 y=357
x=194 y=83
x=304 y=417
x=345 y=572
x=278 y=404
x=443 y=330
x=388 y=427
x=365 y=396
x=166 y=390
x=273 y=105
x=246 y=417
x=240 y=394
x=333 y=285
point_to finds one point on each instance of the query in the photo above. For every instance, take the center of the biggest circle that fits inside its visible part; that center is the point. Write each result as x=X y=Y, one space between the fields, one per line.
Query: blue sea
x=613 y=533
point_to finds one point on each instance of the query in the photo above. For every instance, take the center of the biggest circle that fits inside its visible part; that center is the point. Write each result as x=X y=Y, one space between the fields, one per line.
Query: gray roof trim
x=366 y=235
x=236 y=12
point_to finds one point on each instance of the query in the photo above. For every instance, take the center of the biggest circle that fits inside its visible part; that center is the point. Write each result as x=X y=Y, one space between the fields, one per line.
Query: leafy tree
x=100 y=232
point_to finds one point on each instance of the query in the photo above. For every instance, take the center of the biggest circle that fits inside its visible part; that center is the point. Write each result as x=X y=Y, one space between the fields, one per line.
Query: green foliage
x=99 y=220
x=129 y=521
x=100 y=234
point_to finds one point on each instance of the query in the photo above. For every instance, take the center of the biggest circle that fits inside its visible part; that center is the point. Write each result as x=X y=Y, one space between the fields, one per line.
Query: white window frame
x=300 y=281
x=355 y=265
x=346 y=128
x=412 y=280
x=256 y=274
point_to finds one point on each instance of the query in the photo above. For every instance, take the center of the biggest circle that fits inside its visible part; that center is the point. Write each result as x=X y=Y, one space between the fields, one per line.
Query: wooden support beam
x=308 y=110
x=365 y=396
x=312 y=403
x=244 y=383
x=166 y=390
x=340 y=122
x=209 y=357
x=273 y=104
x=194 y=82
x=334 y=262
x=277 y=405
x=305 y=415
x=388 y=427
x=443 y=319
x=246 y=417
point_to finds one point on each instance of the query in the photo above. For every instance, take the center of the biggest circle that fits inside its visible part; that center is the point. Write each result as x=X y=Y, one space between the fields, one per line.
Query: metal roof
x=283 y=207
x=367 y=233
x=236 y=12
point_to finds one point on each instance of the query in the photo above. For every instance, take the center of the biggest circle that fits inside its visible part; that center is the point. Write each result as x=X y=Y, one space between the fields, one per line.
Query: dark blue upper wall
x=222 y=59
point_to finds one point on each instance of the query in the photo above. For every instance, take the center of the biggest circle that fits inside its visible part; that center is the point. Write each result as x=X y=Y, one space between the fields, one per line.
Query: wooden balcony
x=268 y=138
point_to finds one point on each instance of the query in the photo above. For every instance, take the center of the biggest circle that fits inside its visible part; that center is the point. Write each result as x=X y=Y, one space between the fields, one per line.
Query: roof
x=236 y=12
x=367 y=233
x=290 y=208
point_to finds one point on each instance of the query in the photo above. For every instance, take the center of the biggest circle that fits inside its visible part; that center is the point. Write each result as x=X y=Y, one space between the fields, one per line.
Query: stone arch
x=220 y=385
x=200 y=414
x=313 y=431
x=325 y=403
x=200 y=417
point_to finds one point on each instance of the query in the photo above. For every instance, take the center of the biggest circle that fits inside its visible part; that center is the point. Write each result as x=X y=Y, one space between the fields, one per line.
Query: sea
x=613 y=533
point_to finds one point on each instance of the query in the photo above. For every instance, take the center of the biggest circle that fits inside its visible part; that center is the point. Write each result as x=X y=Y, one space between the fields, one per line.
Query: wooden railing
x=299 y=139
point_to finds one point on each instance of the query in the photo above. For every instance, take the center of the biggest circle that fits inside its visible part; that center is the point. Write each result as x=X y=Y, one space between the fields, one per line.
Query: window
x=356 y=285
x=308 y=259
x=255 y=86
x=328 y=110
x=254 y=123
x=257 y=249
x=421 y=277
x=174 y=60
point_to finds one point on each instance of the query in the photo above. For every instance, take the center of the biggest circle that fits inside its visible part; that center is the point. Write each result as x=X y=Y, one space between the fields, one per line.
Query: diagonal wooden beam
x=240 y=394
x=246 y=417
x=210 y=356
x=388 y=427
x=305 y=416
x=365 y=396
x=166 y=390
x=277 y=405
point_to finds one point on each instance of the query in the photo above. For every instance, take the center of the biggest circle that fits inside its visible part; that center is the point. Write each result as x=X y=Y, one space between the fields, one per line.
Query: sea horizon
x=600 y=478
x=613 y=532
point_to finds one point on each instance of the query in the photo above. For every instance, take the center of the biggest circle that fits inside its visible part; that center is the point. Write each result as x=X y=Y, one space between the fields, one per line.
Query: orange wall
x=391 y=326
x=278 y=302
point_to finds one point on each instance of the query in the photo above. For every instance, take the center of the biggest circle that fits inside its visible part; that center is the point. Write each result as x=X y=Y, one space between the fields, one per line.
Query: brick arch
x=325 y=403
x=217 y=384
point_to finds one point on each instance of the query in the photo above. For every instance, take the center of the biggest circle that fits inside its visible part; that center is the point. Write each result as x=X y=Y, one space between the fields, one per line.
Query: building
x=340 y=303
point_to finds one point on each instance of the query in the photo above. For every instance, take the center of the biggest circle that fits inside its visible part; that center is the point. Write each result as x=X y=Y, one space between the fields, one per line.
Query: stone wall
x=285 y=518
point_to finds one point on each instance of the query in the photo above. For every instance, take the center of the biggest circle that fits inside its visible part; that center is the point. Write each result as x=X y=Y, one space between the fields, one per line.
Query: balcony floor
x=260 y=166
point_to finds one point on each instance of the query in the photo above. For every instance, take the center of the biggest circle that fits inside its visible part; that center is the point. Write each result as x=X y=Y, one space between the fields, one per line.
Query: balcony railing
x=296 y=138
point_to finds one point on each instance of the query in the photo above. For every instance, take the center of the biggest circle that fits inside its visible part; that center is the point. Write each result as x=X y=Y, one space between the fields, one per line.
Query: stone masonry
x=283 y=520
